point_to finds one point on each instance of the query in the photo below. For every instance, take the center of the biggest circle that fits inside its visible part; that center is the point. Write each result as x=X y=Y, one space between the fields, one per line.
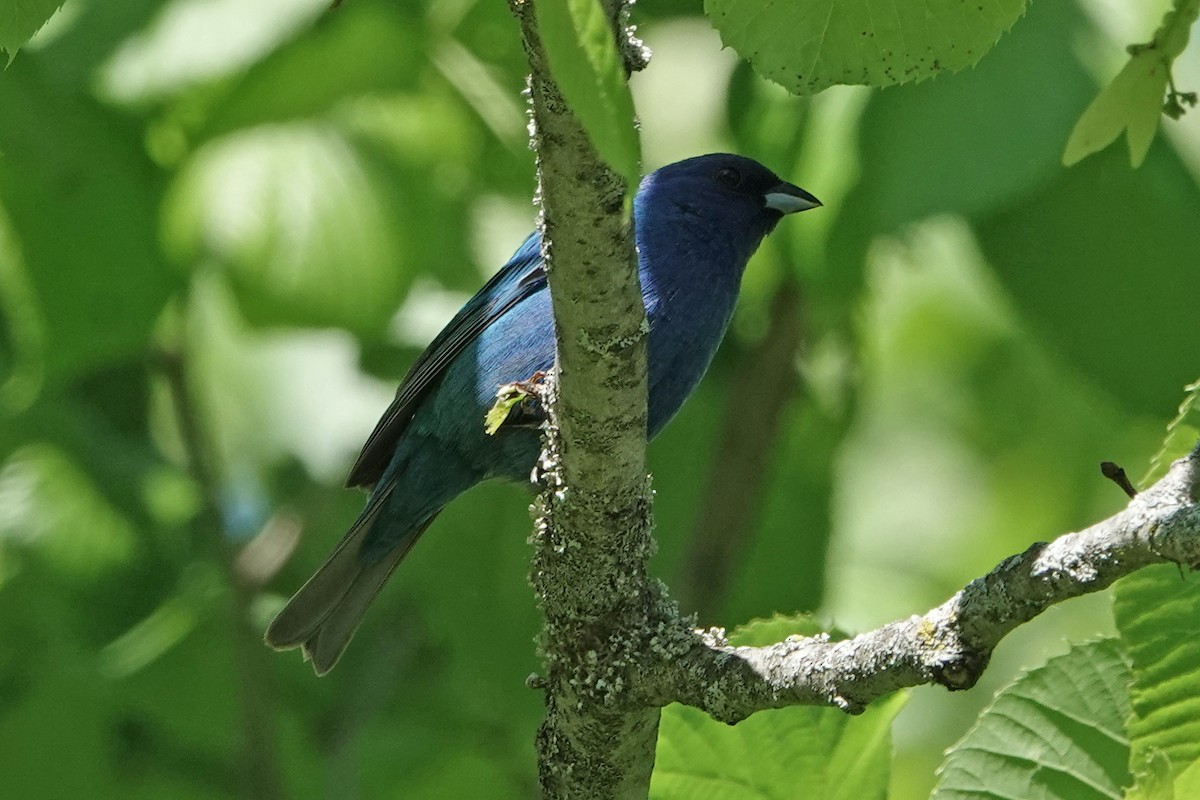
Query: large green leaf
x=591 y=75
x=816 y=753
x=1188 y=783
x=810 y=46
x=1056 y=733
x=1156 y=611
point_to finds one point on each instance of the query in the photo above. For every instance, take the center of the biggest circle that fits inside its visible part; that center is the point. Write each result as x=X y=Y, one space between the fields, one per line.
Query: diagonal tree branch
x=949 y=645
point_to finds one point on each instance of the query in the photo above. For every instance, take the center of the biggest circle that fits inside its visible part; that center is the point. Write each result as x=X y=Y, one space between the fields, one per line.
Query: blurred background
x=227 y=228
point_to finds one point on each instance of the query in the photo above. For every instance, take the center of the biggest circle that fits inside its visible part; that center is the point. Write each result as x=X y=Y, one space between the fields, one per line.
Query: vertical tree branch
x=592 y=535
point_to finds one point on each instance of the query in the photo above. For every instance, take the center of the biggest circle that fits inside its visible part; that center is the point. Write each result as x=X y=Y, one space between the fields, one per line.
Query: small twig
x=1114 y=473
x=731 y=504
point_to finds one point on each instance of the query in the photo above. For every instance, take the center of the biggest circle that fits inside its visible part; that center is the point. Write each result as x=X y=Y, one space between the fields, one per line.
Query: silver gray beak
x=788 y=199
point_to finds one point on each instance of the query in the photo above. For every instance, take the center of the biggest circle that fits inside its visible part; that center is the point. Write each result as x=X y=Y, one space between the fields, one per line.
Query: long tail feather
x=324 y=614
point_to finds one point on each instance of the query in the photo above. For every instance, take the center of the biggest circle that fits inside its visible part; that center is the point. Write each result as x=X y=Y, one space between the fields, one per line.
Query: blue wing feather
x=522 y=276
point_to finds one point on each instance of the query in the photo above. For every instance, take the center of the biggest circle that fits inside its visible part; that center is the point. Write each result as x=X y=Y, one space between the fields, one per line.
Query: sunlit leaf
x=591 y=74
x=365 y=48
x=1132 y=102
x=1056 y=733
x=1188 y=782
x=20 y=19
x=807 y=47
x=1134 y=99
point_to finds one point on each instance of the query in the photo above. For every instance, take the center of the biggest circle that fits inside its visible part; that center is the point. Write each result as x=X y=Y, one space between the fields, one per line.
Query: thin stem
x=260 y=764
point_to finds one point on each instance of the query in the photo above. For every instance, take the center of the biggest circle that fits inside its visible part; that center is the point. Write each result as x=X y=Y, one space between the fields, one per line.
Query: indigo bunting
x=696 y=223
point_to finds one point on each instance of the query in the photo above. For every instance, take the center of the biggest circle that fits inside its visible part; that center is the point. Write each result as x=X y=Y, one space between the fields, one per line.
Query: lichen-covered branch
x=592 y=534
x=949 y=645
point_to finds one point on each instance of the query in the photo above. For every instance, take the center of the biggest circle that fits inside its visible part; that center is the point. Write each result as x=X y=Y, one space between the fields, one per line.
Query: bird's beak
x=788 y=199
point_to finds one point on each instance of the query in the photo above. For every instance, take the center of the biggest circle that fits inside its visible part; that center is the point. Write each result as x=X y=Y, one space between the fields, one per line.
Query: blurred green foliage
x=269 y=207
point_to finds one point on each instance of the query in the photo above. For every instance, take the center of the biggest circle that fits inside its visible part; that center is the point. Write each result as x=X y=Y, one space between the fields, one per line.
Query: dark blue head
x=727 y=195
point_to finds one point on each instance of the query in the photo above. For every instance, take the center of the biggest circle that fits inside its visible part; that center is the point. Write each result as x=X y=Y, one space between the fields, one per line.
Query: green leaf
x=817 y=753
x=21 y=19
x=1156 y=611
x=1132 y=102
x=811 y=46
x=301 y=221
x=1134 y=99
x=1056 y=732
x=1182 y=434
x=591 y=75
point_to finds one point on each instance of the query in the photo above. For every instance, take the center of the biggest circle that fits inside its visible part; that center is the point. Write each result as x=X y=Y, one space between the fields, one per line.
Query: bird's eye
x=728 y=176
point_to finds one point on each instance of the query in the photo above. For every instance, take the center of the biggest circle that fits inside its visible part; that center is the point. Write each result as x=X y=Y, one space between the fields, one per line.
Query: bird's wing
x=523 y=276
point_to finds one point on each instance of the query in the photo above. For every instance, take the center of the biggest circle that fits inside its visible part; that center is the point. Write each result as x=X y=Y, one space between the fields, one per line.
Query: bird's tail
x=322 y=617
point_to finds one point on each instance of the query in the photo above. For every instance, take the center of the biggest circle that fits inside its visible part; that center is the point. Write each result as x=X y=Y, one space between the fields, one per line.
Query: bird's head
x=725 y=192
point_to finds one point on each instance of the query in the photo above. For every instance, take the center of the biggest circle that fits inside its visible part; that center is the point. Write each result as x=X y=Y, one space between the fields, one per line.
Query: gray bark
x=592 y=533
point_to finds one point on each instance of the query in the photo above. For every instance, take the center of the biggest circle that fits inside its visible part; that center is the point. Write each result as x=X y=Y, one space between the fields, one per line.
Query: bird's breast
x=687 y=323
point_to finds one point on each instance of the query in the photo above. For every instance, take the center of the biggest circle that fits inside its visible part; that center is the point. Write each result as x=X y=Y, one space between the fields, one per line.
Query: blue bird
x=697 y=222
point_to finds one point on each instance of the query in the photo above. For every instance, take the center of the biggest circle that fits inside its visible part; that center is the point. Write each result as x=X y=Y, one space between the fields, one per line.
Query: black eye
x=728 y=176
